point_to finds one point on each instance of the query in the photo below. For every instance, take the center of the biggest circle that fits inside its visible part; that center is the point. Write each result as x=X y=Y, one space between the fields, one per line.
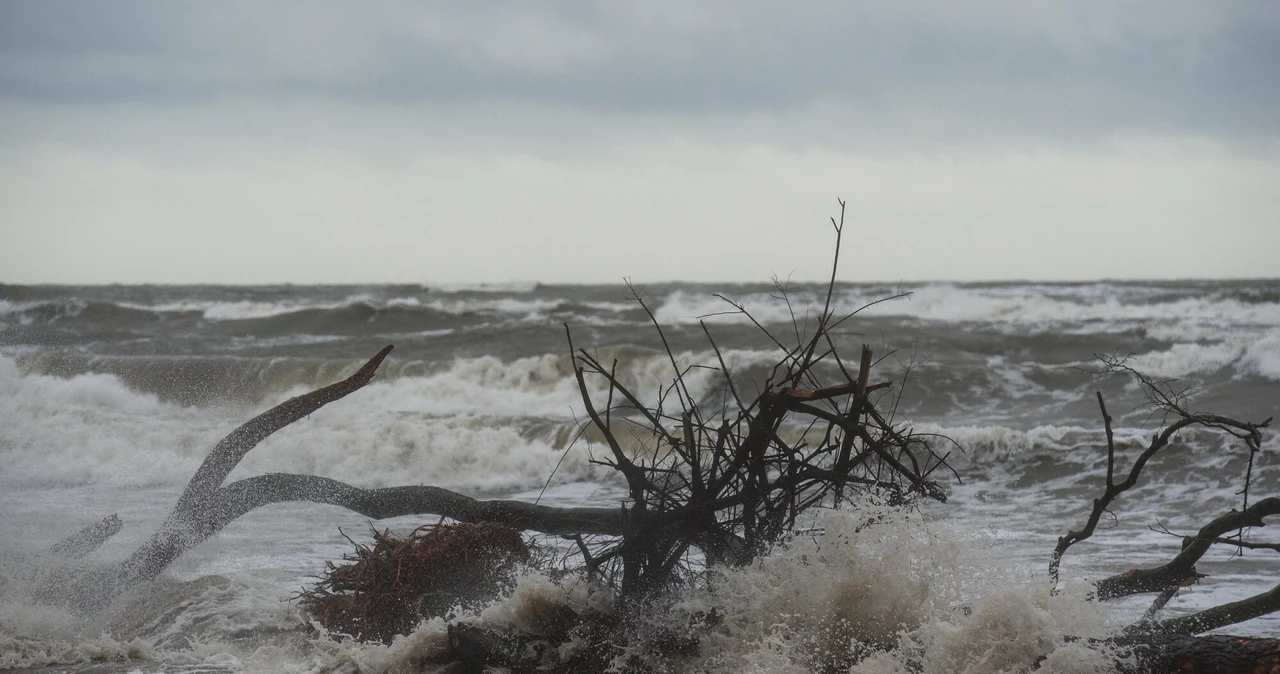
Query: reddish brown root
x=386 y=588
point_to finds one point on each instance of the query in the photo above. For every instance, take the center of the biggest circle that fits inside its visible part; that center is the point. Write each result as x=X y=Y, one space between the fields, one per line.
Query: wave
x=353 y=318
x=1253 y=304
x=90 y=312
x=92 y=429
x=239 y=379
x=352 y=315
x=1024 y=306
x=19 y=652
x=889 y=586
x=1083 y=306
x=1249 y=352
x=475 y=424
x=479 y=424
x=881 y=581
x=891 y=590
x=247 y=310
x=1262 y=356
x=493 y=287
x=205 y=625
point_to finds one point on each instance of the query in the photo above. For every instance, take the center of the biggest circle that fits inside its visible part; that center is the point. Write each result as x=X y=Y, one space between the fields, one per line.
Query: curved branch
x=189 y=524
x=1226 y=614
x=184 y=532
x=1113 y=489
x=241 y=496
x=1182 y=568
x=227 y=454
x=87 y=539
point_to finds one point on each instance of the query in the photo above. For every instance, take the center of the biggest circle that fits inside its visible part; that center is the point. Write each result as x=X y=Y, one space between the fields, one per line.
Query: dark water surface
x=111 y=395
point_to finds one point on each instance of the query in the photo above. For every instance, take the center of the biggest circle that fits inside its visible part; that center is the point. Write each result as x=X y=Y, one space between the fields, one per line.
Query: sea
x=110 y=396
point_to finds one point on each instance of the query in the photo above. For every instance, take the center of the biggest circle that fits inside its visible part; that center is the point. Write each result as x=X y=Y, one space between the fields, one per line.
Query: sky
x=561 y=142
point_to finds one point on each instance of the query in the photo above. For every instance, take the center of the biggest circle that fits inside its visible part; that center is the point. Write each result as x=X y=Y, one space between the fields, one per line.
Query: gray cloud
x=1068 y=69
x=401 y=141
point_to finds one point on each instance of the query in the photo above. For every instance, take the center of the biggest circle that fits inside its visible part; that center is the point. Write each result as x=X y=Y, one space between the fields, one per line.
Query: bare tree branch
x=228 y=452
x=1171 y=403
x=1182 y=568
x=242 y=496
x=1221 y=616
x=87 y=539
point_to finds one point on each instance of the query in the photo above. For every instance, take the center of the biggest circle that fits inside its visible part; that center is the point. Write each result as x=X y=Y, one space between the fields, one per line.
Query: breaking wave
x=1080 y=307
x=112 y=396
x=869 y=592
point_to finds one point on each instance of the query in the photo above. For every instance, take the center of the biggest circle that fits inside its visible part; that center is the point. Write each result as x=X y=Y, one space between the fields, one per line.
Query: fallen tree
x=207 y=505
x=719 y=478
x=724 y=482
x=1172 y=644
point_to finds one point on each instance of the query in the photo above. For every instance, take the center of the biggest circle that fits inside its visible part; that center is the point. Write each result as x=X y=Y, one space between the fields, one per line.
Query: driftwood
x=1157 y=653
x=1180 y=571
x=1172 y=645
x=763 y=512
x=721 y=478
x=717 y=477
x=88 y=539
x=206 y=506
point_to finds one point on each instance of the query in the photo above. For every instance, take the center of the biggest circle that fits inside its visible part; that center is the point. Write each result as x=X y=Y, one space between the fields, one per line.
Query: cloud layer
x=999 y=128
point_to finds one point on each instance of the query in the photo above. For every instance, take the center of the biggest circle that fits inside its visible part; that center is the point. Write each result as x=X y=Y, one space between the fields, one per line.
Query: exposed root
x=386 y=588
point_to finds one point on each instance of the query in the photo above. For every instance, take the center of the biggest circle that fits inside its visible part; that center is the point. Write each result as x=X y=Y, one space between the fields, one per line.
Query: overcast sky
x=252 y=142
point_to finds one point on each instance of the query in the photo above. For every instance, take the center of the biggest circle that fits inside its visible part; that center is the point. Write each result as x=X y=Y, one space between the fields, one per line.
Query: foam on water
x=7 y=307
x=1262 y=356
x=879 y=592
x=223 y=310
x=1003 y=385
x=894 y=594
x=1031 y=306
x=220 y=310
x=940 y=596
x=93 y=429
x=20 y=652
x=478 y=424
x=208 y=624
x=520 y=309
x=1249 y=351
x=489 y=287
x=1025 y=306
x=991 y=444
x=214 y=310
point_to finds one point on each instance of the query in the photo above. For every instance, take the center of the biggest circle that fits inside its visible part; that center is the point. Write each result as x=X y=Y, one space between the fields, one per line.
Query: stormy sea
x=110 y=396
